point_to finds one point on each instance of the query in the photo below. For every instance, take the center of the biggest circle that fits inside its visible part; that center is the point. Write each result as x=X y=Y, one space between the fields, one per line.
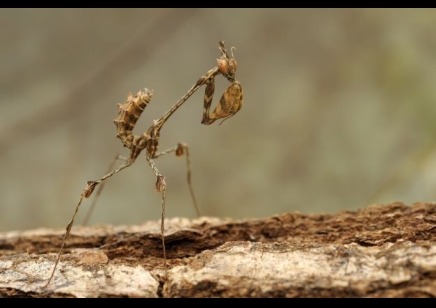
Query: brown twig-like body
x=129 y=113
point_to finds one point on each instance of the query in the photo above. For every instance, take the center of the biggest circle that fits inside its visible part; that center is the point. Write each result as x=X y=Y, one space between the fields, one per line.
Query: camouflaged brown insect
x=130 y=111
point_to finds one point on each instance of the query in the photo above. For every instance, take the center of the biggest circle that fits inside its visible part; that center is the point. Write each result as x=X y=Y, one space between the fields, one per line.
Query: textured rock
x=380 y=251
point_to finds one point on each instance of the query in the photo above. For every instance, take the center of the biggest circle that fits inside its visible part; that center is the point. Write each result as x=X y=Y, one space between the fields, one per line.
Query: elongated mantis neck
x=211 y=73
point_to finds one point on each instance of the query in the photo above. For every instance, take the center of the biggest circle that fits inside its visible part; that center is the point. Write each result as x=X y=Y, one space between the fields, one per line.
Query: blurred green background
x=339 y=111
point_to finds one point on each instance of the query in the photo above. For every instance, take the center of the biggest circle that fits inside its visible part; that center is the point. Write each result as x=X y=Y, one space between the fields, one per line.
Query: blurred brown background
x=339 y=110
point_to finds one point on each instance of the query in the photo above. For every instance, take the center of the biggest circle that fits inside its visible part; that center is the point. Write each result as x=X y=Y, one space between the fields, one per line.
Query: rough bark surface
x=380 y=251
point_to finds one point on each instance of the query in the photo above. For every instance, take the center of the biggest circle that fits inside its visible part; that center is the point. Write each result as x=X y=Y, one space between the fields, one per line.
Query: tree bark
x=380 y=251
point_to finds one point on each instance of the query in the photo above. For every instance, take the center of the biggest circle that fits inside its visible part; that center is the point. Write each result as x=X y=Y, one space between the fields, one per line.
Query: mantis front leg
x=230 y=102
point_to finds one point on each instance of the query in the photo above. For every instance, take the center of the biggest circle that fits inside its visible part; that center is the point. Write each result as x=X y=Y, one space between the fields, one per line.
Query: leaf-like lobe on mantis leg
x=90 y=185
x=230 y=103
